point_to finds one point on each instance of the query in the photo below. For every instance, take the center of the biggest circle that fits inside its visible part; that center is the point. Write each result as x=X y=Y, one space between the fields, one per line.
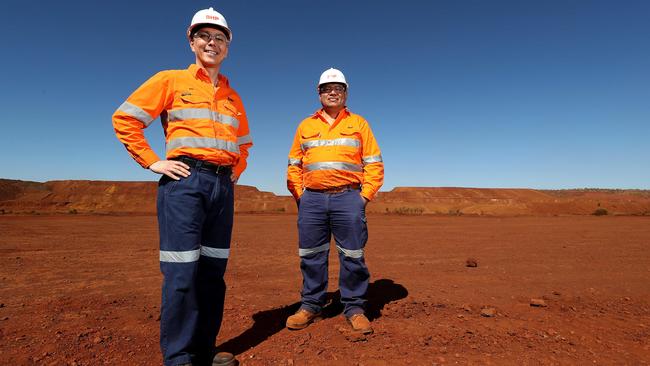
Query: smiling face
x=333 y=95
x=210 y=45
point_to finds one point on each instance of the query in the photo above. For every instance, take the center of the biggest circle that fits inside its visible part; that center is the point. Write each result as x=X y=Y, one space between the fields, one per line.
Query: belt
x=204 y=165
x=339 y=189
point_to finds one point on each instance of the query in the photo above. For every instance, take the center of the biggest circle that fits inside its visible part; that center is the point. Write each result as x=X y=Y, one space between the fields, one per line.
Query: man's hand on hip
x=171 y=168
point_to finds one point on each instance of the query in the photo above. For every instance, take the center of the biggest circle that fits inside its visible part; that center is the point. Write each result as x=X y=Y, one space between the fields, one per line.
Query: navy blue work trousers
x=321 y=215
x=195 y=216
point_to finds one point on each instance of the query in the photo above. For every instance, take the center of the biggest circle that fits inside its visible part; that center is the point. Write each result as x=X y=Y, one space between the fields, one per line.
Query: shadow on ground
x=269 y=322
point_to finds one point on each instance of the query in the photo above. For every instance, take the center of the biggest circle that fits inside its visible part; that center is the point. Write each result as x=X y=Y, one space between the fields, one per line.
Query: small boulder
x=488 y=312
x=540 y=303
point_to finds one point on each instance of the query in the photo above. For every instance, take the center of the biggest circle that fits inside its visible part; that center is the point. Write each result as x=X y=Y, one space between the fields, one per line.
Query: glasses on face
x=338 y=89
x=206 y=37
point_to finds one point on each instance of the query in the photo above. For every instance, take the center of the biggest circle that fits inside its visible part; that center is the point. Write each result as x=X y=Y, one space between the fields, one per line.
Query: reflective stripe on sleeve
x=136 y=112
x=215 y=252
x=202 y=113
x=351 y=253
x=332 y=165
x=335 y=142
x=180 y=257
x=309 y=251
x=244 y=139
x=295 y=162
x=202 y=142
x=372 y=159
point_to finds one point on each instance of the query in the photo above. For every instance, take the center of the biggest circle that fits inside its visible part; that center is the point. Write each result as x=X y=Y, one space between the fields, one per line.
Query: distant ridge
x=113 y=197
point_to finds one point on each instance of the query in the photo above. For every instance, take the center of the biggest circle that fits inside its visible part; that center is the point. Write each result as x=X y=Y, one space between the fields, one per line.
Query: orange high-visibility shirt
x=324 y=156
x=200 y=120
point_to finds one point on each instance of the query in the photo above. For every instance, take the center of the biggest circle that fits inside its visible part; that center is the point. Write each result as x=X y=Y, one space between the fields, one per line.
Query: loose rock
x=538 y=303
x=488 y=312
x=471 y=262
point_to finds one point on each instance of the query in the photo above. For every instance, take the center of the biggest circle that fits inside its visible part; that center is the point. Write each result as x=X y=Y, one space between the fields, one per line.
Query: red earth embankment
x=510 y=201
x=108 y=197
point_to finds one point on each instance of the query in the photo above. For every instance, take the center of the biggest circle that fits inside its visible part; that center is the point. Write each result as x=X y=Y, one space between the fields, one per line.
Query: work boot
x=224 y=359
x=301 y=319
x=360 y=323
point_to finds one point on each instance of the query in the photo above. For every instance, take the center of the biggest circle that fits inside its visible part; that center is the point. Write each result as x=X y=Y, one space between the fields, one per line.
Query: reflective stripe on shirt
x=295 y=162
x=201 y=113
x=136 y=112
x=244 y=140
x=372 y=159
x=202 y=142
x=333 y=165
x=335 y=142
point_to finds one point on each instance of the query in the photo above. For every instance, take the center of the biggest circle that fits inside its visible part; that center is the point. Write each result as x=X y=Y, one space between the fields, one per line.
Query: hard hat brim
x=334 y=82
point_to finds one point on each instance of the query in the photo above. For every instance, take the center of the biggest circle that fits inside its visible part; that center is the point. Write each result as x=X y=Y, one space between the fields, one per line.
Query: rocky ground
x=575 y=290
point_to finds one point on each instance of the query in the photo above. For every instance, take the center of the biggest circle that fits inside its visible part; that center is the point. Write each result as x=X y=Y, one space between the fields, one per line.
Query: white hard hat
x=332 y=75
x=210 y=16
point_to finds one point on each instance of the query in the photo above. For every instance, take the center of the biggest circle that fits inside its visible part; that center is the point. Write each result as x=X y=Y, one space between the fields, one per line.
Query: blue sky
x=527 y=94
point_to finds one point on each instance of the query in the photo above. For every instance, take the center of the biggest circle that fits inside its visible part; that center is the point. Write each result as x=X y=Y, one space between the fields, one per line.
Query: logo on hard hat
x=212 y=17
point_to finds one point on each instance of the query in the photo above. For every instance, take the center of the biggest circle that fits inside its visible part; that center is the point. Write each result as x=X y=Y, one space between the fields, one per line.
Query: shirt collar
x=200 y=73
x=345 y=111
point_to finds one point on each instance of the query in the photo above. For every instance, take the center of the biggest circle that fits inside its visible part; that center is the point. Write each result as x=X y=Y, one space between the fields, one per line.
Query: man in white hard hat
x=207 y=142
x=335 y=169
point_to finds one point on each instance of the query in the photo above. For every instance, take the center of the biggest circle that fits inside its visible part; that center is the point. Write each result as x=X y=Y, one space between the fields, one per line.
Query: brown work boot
x=224 y=359
x=301 y=319
x=360 y=323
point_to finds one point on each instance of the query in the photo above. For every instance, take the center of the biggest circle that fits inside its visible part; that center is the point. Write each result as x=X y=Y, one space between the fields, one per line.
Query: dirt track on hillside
x=85 y=290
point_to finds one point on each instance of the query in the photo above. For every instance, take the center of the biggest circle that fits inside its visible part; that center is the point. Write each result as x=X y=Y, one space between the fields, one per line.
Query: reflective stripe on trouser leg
x=314 y=238
x=185 y=209
x=348 y=220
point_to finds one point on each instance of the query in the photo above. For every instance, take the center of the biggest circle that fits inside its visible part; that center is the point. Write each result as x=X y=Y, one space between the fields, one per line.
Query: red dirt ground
x=84 y=290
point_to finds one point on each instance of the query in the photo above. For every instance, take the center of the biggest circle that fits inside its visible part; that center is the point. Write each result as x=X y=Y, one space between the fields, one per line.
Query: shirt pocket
x=307 y=135
x=309 y=140
x=228 y=117
x=226 y=107
x=195 y=101
x=350 y=145
x=231 y=109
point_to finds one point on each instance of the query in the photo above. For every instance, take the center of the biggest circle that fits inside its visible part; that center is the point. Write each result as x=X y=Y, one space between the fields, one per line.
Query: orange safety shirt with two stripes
x=324 y=156
x=200 y=120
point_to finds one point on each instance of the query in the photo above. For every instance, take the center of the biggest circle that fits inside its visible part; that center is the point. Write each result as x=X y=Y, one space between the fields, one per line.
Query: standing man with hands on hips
x=335 y=169
x=207 y=142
